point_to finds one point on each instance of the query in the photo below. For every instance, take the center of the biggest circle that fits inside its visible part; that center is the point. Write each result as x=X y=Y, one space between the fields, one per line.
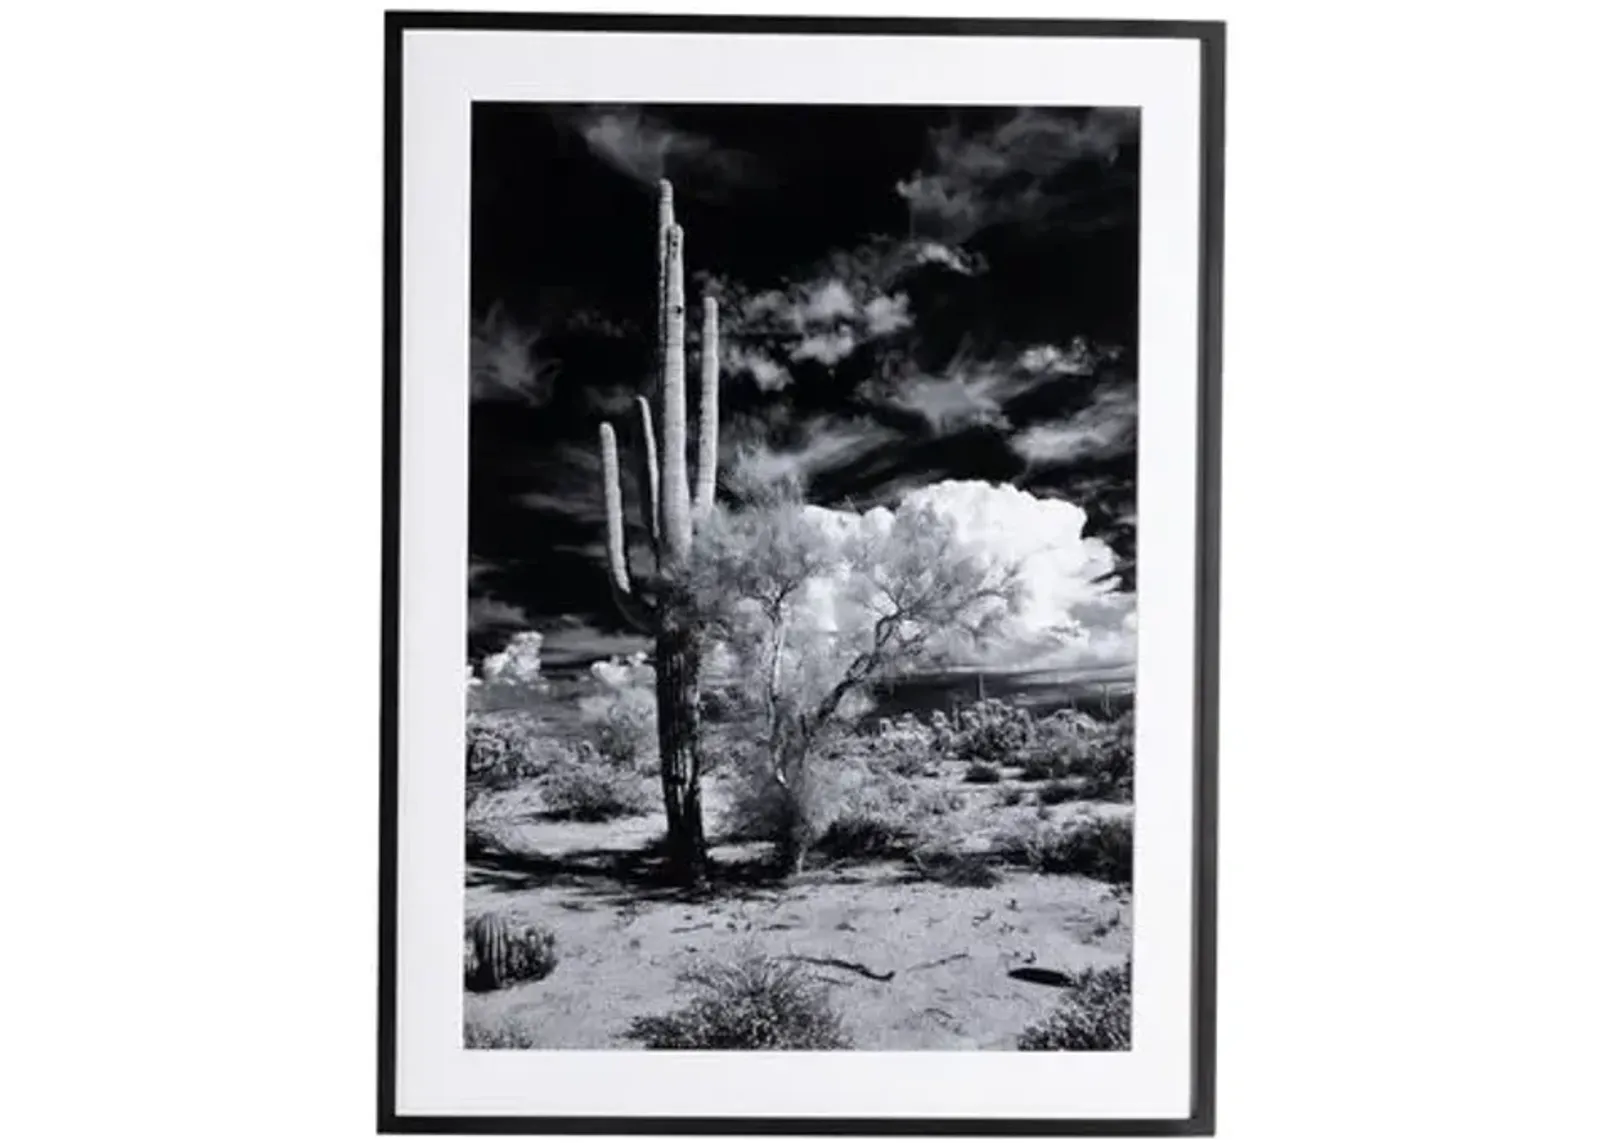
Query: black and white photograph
x=782 y=471
x=646 y=574
x=803 y=586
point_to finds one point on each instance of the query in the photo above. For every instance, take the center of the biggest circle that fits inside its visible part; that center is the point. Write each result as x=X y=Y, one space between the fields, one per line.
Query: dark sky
x=909 y=294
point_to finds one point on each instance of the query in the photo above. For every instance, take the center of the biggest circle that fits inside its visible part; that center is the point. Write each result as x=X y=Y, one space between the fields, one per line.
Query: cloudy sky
x=912 y=298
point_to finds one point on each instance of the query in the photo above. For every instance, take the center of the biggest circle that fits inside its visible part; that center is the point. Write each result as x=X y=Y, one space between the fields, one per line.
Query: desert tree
x=810 y=610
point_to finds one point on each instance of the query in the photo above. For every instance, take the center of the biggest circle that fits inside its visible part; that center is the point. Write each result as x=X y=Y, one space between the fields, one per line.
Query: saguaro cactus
x=668 y=515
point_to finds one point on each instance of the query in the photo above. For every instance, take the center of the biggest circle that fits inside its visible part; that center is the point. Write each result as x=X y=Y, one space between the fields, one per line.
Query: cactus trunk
x=678 y=732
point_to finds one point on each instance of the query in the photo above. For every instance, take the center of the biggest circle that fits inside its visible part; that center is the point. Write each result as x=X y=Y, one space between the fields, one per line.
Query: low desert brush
x=621 y=720
x=504 y=748
x=796 y=815
x=993 y=730
x=1088 y=845
x=949 y=865
x=1093 y=1015
x=586 y=788
x=753 y=1003
x=499 y=1032
x=1059 y=790
x=1097 y=754
x=904 y=745
x=861 y=836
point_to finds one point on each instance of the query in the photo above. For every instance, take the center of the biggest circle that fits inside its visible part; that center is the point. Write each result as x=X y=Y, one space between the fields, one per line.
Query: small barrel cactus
x=500 y=951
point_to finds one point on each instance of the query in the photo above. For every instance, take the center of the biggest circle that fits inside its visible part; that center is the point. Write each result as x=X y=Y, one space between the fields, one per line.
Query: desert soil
x=938 y=955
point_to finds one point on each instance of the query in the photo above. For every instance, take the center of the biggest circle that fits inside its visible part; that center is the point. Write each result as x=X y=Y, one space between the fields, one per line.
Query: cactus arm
x=706 y=469
x=664 y=223
x=676 y=527
x=616 y=543
x=616 y=539
x=650 y=477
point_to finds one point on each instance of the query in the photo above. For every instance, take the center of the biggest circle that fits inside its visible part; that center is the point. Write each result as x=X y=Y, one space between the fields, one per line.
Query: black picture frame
x=1200 y=1119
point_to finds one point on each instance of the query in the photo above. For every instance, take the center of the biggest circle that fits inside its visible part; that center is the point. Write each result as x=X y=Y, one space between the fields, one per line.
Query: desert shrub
x=1090 y=846
x=796 y=815
x=1055 y=742
x=484 y=828
x=951 y=866
x=1104 y=760
x=622 y=727
x=1097 y=754
x=904 y=744
x=937 y=801
x=1093 y=1015
x=1012 y=796
x=500 y=951
x=1042 y=763
x=1064 y=727
x=725 y=749
x=862 y=836
x=861 y=789
x=480 y=838
x=586 y=788
x=993 y=730
x=501 y=795
x=499 y=1032
x=620 y=717
x=789 y=815
x=505 y=747
x=982 y=773
x=1060 y=790
x=754 y=1003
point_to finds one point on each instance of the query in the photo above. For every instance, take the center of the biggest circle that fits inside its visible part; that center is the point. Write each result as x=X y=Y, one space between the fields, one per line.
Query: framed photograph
x=800 y=583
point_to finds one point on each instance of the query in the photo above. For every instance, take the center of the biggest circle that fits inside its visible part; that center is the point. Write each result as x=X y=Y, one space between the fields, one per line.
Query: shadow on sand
x=614 y=876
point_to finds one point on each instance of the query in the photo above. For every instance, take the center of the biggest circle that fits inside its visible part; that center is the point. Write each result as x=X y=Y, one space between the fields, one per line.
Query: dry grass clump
x=1094 y=1014
x=753 y=1003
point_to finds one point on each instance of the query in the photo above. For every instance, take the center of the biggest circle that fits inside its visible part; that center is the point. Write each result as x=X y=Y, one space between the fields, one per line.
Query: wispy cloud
x=754 y=362
x=1105 y=427
x=846 y=301
x=565 y=480
x=823 y=319
x=505 y=362
x=961 y=261
x=648 y=148
x=826 y=443
x=575 y=641
x=960 y=399
x=885 y=315
x=1004 y=174
x=970 y=393
x=593 y=323
x=485 y=613
x=1078 y=358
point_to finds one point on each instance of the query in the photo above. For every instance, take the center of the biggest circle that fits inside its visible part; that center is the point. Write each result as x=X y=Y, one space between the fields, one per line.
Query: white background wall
x=189 y=460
